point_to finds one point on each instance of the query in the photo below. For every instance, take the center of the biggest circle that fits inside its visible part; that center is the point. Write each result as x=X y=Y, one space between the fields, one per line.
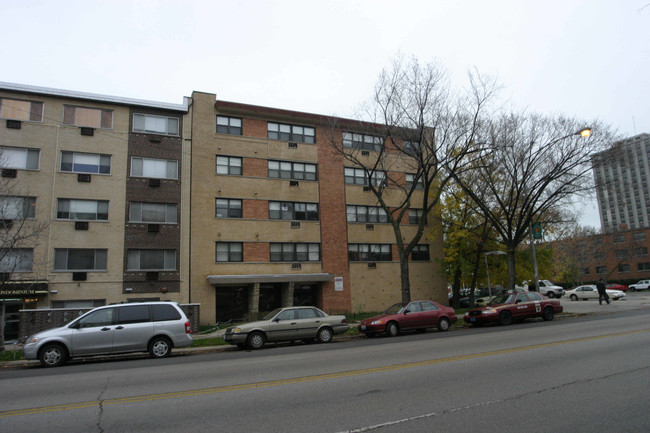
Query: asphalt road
x=588 y=373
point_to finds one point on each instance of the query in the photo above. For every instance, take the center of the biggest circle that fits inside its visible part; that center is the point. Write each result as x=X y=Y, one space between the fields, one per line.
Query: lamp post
x=487 y=269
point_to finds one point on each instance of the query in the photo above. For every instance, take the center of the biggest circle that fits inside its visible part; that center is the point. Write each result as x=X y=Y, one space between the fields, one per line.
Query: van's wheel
x=160 y=347
x=324 y=335
x=53 y=355
x=255 y=340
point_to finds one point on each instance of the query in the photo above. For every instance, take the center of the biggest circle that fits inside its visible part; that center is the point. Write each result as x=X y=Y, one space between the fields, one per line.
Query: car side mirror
x=406 y=311
x=518 y=301
x=74 y=326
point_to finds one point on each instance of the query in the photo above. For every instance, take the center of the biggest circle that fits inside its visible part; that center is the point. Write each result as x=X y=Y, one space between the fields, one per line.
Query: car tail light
x=344 y=321
x=188 y=328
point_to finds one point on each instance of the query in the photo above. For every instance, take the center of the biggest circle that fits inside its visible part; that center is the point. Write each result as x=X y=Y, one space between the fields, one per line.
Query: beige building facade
x=238 y=208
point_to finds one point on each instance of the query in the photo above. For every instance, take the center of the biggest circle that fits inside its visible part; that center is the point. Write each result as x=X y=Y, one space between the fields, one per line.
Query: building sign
x=338 y=284
x=22 y=290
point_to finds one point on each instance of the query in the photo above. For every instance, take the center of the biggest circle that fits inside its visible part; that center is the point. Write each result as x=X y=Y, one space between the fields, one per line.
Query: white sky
x=584 y=58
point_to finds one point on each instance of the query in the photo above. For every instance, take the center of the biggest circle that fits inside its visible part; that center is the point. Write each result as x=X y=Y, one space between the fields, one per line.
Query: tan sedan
x=287 y=324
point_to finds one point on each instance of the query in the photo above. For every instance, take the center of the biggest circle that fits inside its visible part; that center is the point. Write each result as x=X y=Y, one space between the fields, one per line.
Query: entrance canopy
x=220 y=280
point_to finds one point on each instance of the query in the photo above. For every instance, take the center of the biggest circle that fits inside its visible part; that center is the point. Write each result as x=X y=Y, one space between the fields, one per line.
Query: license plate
x=472 y=319
x=363 y=327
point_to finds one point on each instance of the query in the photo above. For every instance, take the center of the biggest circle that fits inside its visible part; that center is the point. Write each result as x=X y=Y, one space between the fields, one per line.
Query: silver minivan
x=154 y=327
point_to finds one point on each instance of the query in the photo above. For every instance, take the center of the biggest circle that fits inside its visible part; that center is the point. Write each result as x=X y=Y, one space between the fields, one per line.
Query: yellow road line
x=230 y=388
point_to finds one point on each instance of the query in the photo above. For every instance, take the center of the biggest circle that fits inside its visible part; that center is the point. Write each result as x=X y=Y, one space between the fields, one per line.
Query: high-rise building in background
x=621 y=177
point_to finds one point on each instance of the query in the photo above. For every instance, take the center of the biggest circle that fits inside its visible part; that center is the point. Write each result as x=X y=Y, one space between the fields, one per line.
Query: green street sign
x=537 y=230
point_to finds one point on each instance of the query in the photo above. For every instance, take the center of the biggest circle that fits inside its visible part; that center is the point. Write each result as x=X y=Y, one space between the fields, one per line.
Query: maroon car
x=516 y=306
x=615 y=286
x=418 y=315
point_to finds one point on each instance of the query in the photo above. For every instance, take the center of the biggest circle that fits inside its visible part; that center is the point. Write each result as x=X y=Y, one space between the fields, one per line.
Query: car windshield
x=395 y=308
x=272 y=314
x=508 y=298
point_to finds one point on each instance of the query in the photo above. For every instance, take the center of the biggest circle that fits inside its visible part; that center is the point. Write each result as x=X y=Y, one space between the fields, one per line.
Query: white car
x=591 y=292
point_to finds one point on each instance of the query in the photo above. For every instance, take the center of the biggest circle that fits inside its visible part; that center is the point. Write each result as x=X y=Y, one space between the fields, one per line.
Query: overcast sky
x=584 y=58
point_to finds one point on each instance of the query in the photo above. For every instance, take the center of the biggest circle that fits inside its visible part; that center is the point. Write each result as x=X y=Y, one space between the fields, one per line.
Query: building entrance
x=231 y=303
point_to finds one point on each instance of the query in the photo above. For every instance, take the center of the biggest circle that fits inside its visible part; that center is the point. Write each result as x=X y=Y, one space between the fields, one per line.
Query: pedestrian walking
x=602 y=292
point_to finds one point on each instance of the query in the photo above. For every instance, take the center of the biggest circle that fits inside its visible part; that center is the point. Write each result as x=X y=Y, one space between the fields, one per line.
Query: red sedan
x=418 y=315
x=615 y=286
x=511 y=306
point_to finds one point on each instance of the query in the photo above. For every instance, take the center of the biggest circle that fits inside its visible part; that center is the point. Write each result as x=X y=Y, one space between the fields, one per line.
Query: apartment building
x=279 y=218
x=85 y=180
x=621 y=176
x=238 y=208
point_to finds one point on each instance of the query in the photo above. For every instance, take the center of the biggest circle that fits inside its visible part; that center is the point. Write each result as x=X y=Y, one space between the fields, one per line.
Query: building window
x=153 y=213
x=601 y=269
x=16 y=260
x=151 y=124
x=85 y=162
x=151 y=260
x=639 y=236
x=645 y=266
x=284 y=132
x=19 y=158
x=293 y=211
x=369 y=253
x=362 y=141
x=416 y=215
x=409 y=182
x=357 y=176
x=229 y=165
x=411 y=148
x=420 y=253
x=619 y=239
x=623 y=267
x=641 y=251
x=82 y=210
x=154 y=168
x=228 y=208
x=295 y=252
x=585 y=271
x=597 y=241
x=17 y=208
x=16 y=109
x=621 y=254
x=292 y=170
x=366 y=214
x=88 y=117
x=229 y=125
x=229 y=252
x=80 y=259
x=82 y=303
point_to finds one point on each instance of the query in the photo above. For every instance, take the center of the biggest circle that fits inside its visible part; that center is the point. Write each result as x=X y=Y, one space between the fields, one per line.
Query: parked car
x=404 y=316
x=549 y=289
x=287 y=324
x=590 y=291
x=511 y=306
x=154 y=327
x=641 y=285
x=616 y=286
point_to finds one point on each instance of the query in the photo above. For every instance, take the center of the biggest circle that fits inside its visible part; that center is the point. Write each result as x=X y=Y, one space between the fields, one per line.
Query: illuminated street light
x=586 y=132
x=487 y=269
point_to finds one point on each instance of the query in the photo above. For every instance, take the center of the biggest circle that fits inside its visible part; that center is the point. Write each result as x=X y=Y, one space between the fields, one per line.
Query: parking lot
x=632 y=301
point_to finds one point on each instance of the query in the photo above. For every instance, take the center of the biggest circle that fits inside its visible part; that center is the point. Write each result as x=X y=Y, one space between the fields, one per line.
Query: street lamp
x=487 y=269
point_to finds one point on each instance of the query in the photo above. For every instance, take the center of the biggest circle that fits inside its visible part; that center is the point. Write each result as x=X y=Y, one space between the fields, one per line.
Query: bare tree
x=413 y=124
x=20 y=233
x=533 y=169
